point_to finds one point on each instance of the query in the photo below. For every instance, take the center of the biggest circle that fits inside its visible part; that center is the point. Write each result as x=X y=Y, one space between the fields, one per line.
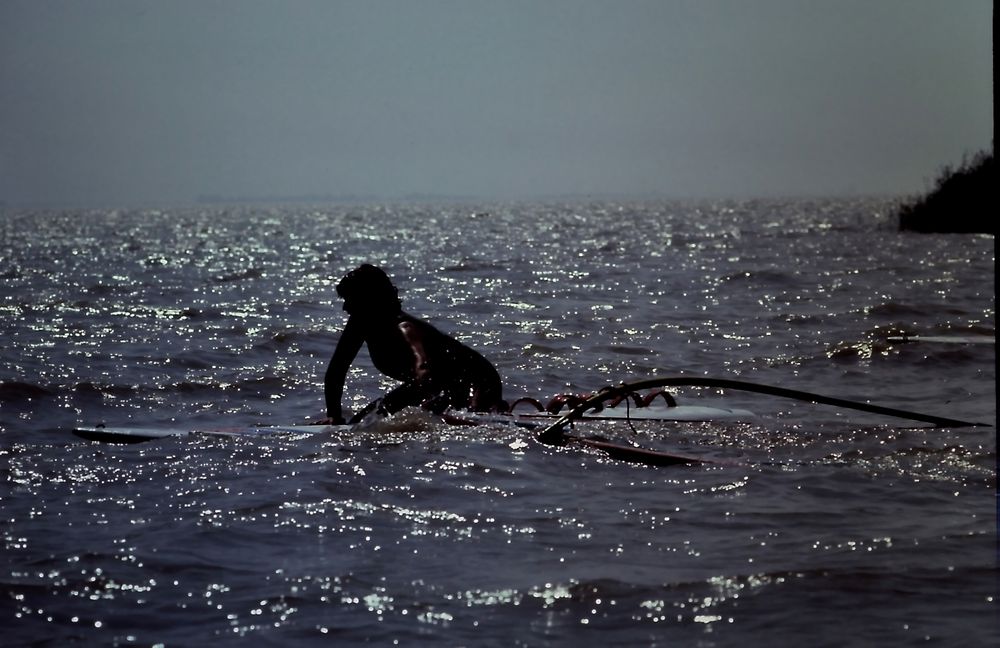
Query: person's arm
x=336 y=373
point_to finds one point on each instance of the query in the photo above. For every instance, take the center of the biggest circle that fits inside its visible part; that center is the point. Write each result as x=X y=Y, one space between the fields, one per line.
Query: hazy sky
x=150 y=102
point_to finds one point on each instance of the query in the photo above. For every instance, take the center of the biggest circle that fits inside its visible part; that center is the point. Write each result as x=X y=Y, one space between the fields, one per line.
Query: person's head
x=367 y=289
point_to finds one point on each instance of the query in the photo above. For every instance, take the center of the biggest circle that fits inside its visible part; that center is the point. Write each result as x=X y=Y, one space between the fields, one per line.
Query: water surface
x=823 y=527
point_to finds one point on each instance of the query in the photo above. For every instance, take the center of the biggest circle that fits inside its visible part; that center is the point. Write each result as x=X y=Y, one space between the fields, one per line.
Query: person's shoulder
x=406 y=318
x=416 y=326
x=409 y=324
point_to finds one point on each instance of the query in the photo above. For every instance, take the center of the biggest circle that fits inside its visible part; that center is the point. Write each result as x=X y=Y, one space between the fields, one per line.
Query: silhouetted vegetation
x=963 y=200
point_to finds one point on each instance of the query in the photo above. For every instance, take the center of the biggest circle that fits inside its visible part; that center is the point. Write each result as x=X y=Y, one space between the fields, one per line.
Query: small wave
x=899 y=309
x=774 y=277
x=16 y=391
x=88 y=387
x=953 y=450
x=469 y=264
x=200 y=359
x=190 y=387
x=798 y=319
x=263 y=387
x=295 y=337
x=13 y=392
x=251 y=273
x=860 y=350
x=104 y=290
x=627 y=350
x=534 y=348
x=197 y=313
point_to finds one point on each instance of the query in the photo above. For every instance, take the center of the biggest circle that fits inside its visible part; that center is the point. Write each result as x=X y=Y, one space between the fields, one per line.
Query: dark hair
x=368 y=284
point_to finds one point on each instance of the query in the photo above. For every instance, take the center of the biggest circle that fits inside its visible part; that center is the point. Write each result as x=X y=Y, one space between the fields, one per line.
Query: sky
x=159 y=102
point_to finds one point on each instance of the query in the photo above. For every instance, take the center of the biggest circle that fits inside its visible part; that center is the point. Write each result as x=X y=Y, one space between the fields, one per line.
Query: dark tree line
x=963 y=200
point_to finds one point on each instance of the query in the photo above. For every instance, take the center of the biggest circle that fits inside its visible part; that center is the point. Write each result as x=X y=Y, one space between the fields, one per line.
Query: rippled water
x=823 y=527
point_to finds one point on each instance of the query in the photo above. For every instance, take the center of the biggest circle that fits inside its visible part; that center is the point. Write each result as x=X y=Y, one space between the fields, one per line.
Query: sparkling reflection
x=419 y=531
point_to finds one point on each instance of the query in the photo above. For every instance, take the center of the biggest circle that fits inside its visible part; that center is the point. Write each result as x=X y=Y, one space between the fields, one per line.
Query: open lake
x=823 y=527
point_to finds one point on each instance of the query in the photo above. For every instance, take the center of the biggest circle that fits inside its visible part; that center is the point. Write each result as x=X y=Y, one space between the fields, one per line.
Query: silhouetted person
x=436 y=370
